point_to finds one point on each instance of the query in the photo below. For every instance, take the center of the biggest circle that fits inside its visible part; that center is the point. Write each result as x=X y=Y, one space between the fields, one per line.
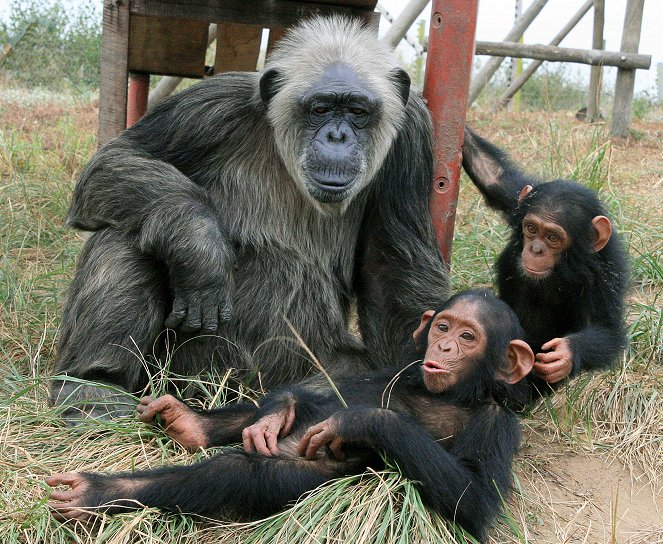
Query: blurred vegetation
x=52 y=45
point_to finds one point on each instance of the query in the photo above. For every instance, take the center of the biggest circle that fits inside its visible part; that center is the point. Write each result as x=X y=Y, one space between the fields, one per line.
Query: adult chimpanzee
x=250 y=200
x=563 y=272
x=442 y=421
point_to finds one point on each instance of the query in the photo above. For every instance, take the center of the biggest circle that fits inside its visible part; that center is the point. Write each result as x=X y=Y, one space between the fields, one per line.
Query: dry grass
x=590 y=468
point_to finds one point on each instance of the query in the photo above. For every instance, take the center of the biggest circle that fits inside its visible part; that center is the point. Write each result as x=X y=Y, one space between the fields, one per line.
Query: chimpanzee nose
x=336 y=135
x=537 y=247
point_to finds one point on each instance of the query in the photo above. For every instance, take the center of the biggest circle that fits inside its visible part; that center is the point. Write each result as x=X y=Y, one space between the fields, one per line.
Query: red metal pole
x=446 y=88
x=139 y=88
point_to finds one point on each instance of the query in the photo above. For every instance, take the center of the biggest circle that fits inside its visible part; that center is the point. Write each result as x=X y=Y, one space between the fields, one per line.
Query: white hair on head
x=303 y=55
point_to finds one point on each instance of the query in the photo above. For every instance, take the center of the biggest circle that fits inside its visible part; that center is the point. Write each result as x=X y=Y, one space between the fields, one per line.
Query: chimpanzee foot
x=179 y=421
x=82 y=401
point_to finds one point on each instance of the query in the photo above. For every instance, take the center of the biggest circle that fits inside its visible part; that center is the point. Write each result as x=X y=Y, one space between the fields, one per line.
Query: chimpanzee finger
x=336 y=446
x=289 y=421
x=193 y=320
x=210 y=318
x=549 y=357
x=272 y=435
x=258 y=437
x=226 y=310
x=178 y=313
x=247 y=441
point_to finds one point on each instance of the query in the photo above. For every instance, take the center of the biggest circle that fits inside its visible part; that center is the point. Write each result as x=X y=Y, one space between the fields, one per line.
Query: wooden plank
x=506 y=96
x=113 y=88
x=596 y=76
x=564 y=54
x=237 y=47
x=265 y=13
x=167 y=46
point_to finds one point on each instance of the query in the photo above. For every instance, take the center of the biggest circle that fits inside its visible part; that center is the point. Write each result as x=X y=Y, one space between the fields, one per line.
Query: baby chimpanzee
x=564 y=270
x=442 y=421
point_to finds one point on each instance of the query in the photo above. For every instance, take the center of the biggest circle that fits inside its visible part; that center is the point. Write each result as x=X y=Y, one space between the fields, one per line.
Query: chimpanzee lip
x=435 y=367
x=536 y=273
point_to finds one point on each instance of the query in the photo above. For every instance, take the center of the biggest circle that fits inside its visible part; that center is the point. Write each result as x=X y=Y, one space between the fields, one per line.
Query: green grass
x=615 y=414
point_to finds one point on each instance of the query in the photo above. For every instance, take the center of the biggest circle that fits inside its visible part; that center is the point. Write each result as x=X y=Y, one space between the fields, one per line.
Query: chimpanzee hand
x=556 y=364
x=196 y=308
x=179 y=421
x=318 y=436
x=263 y=435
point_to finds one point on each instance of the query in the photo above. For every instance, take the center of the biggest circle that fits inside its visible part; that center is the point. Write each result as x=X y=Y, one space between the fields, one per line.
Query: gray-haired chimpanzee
x=442 y=421
x=564 y=271
x=247 y=201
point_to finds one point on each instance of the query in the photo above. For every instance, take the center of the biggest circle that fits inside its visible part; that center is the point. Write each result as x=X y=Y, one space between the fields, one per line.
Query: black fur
x=583 y=298
x=201 y=224
x=457 y=446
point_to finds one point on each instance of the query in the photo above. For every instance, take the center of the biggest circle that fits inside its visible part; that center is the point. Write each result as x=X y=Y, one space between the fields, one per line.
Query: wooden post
x=446 y=82
x=481 y=79
x=114 y=65
x=621 y=112
x=534 y=65
x=596 y=75
x=403 y=22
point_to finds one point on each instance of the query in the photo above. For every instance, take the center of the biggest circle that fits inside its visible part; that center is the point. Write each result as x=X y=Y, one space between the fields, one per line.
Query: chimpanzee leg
x=232 y=485
x=115 y=311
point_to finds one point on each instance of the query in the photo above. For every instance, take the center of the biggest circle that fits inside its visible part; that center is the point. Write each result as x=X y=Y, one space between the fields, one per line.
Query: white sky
x=496 y=17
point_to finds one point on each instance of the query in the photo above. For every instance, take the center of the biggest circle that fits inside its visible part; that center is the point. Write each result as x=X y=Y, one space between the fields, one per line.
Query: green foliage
x=53 y=45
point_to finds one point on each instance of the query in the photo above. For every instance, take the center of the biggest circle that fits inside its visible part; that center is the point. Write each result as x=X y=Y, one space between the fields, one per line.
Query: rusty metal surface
x=446 y=88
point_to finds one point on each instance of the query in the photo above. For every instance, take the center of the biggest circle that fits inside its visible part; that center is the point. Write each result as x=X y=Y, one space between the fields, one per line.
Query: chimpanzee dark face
x=456 y=340
x=339 y=111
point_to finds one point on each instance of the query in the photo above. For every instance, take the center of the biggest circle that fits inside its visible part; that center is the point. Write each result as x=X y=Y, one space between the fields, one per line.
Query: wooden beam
x=565 y=54
x=621 y=110
x=114 y=55
x=596 y=75
x=237 y=47
x=480 y=80
x=265 y=13
x=534 y=65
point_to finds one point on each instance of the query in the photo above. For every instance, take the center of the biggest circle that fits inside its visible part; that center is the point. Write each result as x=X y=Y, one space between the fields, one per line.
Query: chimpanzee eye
x=467 y=336
x=443 y=327
x=530 y=229
x=553 y=238
x=358 y=111
x=321 y=110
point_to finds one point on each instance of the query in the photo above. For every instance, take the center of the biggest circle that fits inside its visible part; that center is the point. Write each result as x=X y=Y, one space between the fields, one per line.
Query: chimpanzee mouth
x=435 y=368
x=536 y=274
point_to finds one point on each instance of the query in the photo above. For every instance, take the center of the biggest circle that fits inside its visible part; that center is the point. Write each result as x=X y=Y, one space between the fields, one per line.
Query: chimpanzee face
x=455 y=341
x=544 y=242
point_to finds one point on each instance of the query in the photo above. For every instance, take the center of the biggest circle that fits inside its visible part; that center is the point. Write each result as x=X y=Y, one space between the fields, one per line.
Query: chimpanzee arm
x=596 y=347
x=464 y=484
x=400 y=269
x=143 y=184
x=498 y=179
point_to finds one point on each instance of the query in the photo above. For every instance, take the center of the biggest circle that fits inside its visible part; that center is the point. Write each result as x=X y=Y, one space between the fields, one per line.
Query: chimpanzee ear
x=524 y=192
x=425 y=318
x=269 y=85
x=520 y=362
x=401 y=80
x=602 y=228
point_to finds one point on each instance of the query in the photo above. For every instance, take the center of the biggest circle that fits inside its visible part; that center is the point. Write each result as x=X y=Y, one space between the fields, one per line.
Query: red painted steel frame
x=139 y=88
x=446 y=87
